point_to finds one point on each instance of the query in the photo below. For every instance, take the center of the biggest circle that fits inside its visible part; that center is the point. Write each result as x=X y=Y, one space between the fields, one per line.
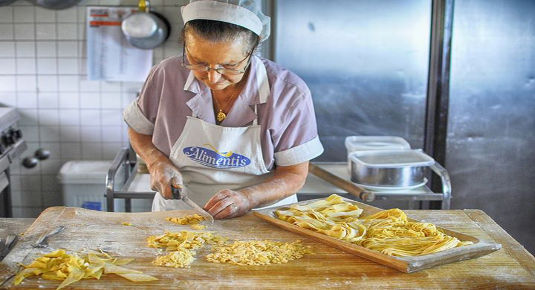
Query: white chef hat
x=244 y=13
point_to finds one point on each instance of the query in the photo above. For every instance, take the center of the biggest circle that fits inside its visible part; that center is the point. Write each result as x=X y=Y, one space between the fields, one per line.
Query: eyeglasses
x=221 y=69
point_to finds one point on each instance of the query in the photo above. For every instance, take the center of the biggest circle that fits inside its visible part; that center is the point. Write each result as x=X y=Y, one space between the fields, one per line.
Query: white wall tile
x=70 y=150
x=48 y=117
x=6 y=15
x=49 y=134
x=91 y=134
x=67 y=32
x=48 y=100
x=7 y=48
x=26 y=99
x=47 y=66
x=23 y=14
x=43 y=15
x=69 y=83
x=8 y=99
x=91 y=151
x=29 y=195
x=46 y=31
x=26 y=212
x=67 y=48
x=90 y=117
x=52 y=197
x=7 y=83
x=81 y=31
x=111 y=117
x=68 y=66
x=30 y=133
x=69 y=117
x=82 y=49
x=26 y=66
x=7 y=66
x=109 y=150
x=82 y=12
x=89 y=86
x=50 y=166
x=6 y=32
x=89 y=100
x=25 y=49
x=69 y=134
x=69 y=100
x=112 y=134
x=46 y=48
x=67 y=15
x=27 y=83
x=111 y=100
x=110 y=87
x=28 y=117
x=24 y=31
x=73 y=118
x=54 y=149
x=47 y=83
x=33 y=184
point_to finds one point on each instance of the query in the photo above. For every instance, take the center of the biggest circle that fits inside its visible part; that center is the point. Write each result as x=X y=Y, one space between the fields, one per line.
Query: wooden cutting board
x=404 y=264
x=327 y=267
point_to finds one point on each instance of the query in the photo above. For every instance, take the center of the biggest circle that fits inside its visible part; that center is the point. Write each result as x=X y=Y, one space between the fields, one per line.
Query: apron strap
x=255 y=121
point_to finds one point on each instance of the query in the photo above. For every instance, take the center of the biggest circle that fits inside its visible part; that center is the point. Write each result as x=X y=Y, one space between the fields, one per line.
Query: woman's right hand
x=162 y=174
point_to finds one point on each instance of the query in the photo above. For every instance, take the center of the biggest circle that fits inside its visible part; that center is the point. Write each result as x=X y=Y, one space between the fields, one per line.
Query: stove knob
x=30 y=162
x=17 y=133
x=8 y=139
x=13 y=135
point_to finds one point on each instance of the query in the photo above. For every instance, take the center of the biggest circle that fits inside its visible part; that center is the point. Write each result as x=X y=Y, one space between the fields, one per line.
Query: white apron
x=212 y=157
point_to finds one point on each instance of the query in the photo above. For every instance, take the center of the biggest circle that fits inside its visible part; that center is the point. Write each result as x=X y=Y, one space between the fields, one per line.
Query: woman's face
x=227 y=54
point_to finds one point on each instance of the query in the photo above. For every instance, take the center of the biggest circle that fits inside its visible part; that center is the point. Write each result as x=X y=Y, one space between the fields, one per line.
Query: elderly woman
x=234 y=130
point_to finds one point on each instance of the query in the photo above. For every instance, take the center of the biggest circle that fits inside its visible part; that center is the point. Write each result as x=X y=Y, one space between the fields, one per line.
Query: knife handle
x=176 y=192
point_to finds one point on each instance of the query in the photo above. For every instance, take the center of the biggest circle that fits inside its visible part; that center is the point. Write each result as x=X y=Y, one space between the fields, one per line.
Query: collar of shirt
x=256 y=91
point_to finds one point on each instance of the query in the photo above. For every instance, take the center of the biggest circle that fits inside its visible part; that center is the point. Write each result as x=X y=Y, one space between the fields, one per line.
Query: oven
x=11 y=147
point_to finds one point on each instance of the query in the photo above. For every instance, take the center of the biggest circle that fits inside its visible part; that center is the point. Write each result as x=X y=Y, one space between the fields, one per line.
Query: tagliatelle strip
x=173 y=241
x=183 y=245
x=68 y=268
x=388 y=231
x=181 y=258
x=258 y=252
x=186 y=220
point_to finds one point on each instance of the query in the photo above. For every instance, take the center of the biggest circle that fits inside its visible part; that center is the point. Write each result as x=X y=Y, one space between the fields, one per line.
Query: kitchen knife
x=180 y=193
x=42 y=242
x=11 y=240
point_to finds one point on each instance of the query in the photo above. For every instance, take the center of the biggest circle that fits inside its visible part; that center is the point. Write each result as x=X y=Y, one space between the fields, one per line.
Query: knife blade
x=42 y=242
x=11 y=240
x=180 y=193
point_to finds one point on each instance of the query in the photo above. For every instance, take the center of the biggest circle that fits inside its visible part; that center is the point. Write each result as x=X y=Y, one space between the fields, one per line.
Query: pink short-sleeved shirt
x=284 y=106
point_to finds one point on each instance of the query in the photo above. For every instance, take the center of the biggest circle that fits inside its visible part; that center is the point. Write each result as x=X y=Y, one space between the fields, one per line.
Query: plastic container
x=385 y=168
x=84 y=184
x=366 y=143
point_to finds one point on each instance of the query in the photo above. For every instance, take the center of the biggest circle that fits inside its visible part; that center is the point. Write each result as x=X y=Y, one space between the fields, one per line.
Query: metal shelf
x=337 y=174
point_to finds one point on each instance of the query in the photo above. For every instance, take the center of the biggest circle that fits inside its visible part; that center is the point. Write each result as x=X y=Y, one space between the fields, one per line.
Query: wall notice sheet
x=109 y=55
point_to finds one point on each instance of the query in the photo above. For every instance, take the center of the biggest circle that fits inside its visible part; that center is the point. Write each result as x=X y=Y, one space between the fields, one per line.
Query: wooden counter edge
x=499 y=235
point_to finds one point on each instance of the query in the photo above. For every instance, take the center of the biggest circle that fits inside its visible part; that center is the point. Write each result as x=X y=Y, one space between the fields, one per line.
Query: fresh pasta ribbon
x=388 y=231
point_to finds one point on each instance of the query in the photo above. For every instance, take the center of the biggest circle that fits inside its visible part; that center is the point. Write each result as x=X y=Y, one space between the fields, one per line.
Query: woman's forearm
x=144 y=147
x=287 y=180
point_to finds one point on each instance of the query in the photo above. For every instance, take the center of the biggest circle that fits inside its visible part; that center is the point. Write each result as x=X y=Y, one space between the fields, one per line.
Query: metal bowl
x=400 y=168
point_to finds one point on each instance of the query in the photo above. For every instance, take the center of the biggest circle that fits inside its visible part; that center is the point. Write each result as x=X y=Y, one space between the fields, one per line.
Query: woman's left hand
x=228 y=204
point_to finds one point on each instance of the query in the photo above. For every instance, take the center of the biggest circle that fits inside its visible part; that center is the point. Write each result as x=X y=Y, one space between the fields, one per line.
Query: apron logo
x=214 y=158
